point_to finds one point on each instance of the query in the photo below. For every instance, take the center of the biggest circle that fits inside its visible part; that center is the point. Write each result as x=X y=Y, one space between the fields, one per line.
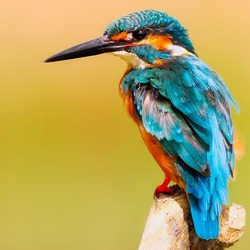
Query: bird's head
x=143 y=39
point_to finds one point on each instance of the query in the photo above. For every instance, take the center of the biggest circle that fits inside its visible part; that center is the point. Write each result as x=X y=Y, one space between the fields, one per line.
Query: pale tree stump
x=169 y=226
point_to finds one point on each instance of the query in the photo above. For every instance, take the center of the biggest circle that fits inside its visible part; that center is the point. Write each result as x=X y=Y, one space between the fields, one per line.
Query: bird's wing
x=186 y=105
x=169 y=126
x=197 y=91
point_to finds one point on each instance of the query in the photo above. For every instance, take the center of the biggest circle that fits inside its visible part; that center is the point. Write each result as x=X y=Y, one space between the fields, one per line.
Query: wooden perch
x=169 y=226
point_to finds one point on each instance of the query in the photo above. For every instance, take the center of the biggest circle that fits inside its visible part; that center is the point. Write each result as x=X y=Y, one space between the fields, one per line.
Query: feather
x=185 y=105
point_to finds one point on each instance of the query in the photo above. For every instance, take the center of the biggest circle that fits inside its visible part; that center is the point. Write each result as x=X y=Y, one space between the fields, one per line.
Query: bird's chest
x=126 y=90
x=127 y=97
x=165 y=161
x=133 y=90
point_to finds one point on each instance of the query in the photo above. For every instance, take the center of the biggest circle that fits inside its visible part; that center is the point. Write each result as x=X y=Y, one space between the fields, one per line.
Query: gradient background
x=74 y=172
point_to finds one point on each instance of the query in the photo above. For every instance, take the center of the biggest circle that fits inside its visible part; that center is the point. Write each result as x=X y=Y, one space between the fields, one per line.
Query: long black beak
x=94 y=47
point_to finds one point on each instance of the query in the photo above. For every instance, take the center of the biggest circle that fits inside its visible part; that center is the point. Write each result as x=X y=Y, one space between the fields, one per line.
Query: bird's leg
x=163 y=188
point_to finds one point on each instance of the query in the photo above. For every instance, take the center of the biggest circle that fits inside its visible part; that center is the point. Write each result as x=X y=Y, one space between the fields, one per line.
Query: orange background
x=74 y=172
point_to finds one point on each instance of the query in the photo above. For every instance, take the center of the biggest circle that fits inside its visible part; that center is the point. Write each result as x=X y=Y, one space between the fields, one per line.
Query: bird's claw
x=163 y=188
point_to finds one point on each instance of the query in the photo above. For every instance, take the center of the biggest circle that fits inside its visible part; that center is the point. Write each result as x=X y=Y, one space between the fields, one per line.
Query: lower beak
x=94 y=47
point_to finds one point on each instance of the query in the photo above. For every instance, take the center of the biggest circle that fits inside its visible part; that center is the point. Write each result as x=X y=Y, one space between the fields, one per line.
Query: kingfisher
x=180 y=105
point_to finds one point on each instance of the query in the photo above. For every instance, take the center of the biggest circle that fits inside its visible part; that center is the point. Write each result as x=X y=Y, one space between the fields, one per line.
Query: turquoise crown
x=158 y=22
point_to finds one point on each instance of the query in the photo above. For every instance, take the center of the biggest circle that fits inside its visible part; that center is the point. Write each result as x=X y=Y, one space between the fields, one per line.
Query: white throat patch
x=136 y=63
x=131 y=59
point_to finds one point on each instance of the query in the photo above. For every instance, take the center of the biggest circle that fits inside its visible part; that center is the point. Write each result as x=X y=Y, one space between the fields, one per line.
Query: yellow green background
x=74 y=172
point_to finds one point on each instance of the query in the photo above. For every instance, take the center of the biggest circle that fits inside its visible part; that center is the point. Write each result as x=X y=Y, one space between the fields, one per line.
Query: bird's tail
x=206 y=195
x=206 y=226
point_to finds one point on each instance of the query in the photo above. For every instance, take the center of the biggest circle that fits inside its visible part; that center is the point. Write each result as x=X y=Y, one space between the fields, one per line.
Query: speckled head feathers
x=159 y=22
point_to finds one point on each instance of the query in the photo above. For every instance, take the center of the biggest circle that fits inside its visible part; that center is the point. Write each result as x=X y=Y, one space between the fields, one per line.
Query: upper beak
x=94 y=47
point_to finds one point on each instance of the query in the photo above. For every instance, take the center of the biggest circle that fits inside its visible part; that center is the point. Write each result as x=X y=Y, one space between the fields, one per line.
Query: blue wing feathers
x=186 y=106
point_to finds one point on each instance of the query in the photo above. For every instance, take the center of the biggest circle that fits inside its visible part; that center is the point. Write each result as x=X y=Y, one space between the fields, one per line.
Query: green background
x=74 y=172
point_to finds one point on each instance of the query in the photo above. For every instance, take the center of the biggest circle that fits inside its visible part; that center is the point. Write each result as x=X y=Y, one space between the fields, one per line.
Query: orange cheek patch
x=120 y=36
x=159 y=42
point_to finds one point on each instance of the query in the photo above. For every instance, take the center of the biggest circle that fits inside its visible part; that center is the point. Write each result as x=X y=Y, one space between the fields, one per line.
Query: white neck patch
x=175 y=50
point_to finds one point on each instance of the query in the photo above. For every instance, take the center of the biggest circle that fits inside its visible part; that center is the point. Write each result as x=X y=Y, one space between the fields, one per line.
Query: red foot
x=163 y=188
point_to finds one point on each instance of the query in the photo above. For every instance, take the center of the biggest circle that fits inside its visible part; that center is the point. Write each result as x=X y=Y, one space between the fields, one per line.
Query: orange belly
x=165 y=161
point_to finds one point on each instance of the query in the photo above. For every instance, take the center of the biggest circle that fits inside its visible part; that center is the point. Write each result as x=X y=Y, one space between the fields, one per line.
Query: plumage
x=185 y=105
x=181 y=106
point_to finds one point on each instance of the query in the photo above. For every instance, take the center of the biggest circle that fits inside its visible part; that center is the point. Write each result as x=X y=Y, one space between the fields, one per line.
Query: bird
x=181 y=106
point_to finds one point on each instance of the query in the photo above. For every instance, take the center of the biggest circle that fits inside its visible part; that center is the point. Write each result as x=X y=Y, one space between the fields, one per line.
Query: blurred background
x=74 y=172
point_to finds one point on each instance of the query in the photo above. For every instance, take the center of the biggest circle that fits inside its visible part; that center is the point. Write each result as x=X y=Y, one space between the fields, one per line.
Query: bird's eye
x=140 y=34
